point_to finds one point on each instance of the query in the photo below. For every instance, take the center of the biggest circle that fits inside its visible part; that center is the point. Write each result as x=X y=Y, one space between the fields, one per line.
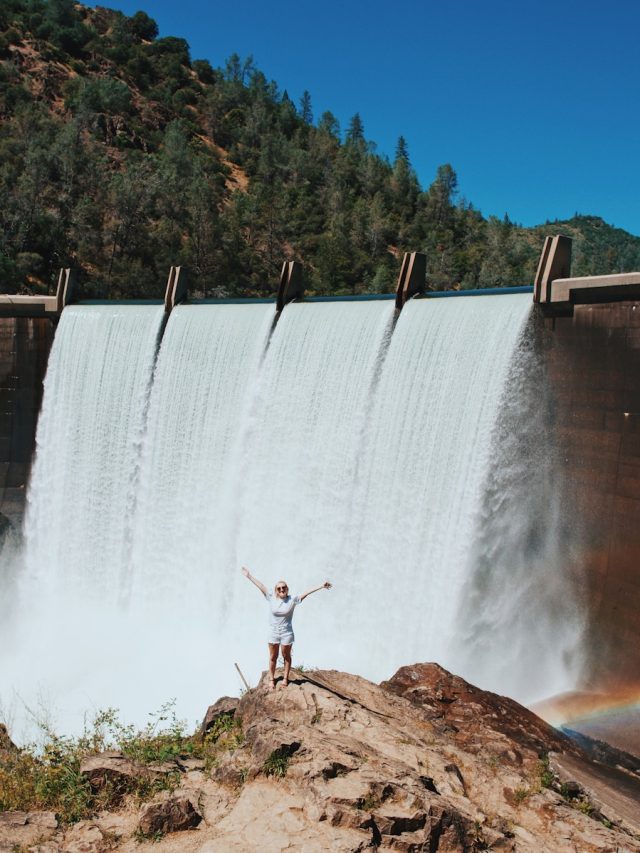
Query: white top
x=281 y=612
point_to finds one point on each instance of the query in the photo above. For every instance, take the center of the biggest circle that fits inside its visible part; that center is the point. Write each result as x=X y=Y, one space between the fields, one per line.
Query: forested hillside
x=121 y=155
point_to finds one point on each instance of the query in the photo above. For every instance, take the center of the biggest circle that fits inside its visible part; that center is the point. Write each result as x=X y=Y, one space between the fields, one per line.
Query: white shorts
x=282 y=639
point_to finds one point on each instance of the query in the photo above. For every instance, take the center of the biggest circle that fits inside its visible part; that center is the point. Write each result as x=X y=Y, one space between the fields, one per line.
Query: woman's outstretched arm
x=325 y=585
x=254 y=581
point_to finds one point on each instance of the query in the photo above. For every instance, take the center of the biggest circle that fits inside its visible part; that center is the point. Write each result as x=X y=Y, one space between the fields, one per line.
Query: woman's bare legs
x=286 y=654
x=273 y=660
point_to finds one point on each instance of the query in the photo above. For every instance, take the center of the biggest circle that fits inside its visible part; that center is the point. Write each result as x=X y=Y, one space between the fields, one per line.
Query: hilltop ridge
x=122 y=155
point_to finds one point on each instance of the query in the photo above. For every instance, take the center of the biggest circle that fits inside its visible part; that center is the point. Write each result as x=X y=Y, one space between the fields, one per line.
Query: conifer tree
x=355 y=131
x=306 y=113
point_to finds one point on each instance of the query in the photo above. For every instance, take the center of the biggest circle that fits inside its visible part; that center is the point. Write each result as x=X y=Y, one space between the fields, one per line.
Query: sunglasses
x=282 y=588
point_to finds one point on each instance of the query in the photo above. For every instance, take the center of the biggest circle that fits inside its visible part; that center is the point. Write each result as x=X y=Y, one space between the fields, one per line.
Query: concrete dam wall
x=471 y=462
x=24 y=349
x=592 y=364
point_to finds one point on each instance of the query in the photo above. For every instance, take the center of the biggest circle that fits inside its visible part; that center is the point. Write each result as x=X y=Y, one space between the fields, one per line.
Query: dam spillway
x=339 y=445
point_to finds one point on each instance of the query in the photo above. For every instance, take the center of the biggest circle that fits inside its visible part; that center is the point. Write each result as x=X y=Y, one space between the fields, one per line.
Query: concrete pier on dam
x=590 y=352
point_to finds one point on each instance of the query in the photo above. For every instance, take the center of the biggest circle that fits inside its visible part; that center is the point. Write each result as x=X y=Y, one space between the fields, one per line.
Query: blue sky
x=535 y=105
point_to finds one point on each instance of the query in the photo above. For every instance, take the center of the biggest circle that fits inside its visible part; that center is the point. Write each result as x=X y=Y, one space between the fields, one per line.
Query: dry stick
x=246 y=683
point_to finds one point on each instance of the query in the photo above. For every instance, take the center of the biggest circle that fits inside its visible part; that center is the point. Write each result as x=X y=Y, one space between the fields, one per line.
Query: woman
x=281 y=607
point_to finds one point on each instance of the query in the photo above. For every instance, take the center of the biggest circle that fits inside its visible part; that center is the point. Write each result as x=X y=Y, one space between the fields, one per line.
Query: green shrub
x=547 y=777
x=100 y=95
x=142 y=26
x=277 y=764
x=47 y=777
x=225 y=735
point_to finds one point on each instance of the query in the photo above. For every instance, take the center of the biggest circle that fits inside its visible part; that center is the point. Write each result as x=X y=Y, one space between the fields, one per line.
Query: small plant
x=225 y=724
x=141 y=836
x=585 y=807
x=368 y=803
x=479 y=841
x=492 y=760
x=300 y=667
x=277 y=764
x=225 y=735
x=547 y=777
x=521 y=794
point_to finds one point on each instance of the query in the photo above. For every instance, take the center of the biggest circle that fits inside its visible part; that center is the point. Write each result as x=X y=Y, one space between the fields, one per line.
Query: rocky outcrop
x=114 y=770
x=7 y=746
x=224 y=707
x=472 y=716
x=424 y=762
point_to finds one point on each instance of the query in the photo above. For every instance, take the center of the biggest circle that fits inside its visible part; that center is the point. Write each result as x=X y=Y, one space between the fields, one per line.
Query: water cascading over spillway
x=83 y=488
x=426 y=456
x=80 y=504
x=207 y=369
x=303 y=454
x=341 y=447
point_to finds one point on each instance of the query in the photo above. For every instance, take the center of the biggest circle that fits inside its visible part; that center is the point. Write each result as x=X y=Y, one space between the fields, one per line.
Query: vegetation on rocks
x=121 y=155
x=52 y=775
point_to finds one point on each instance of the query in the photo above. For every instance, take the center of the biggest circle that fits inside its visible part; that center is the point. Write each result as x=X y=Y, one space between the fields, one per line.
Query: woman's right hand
x=245 y=571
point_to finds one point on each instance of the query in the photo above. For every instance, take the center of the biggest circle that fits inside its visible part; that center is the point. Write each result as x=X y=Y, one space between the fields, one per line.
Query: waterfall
x=337 y=446
x=84 y=482
x=207 y=369
x=428 y=451
x=81 y=500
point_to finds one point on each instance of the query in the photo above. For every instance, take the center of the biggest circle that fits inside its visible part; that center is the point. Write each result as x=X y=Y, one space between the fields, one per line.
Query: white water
x=84 y=482
x=80 y=504
x=302 y=462
x=203 y=384
x=428 y=456
x=344 y=453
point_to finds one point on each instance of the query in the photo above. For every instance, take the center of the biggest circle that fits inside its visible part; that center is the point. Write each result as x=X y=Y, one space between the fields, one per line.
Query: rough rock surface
x=168 y=813
x=7 y=746
x=24 y=828
x=115 y=769
x=426 y=762
x=110 y=767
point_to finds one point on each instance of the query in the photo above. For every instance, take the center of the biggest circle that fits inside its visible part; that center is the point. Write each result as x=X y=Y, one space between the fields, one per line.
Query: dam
x=463 y=469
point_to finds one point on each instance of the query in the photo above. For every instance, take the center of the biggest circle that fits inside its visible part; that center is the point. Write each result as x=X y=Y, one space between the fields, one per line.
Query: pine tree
x=402 y=152
x=306 y=113
x=355 y=131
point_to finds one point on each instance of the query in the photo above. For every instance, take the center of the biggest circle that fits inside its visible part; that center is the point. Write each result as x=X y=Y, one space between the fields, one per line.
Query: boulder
x=7 y=746
x=19 y=829
x=84 y=837
x=112 y=768
x=472 y=715
x=226 y=706
x=168 y=813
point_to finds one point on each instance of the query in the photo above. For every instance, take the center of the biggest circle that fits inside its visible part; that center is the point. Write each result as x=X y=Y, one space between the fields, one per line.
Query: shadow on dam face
x=24 y=349
x=591 y=367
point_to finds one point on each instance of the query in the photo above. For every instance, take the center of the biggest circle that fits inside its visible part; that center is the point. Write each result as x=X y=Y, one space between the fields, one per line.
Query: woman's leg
x=273 y=660
x=286 y=654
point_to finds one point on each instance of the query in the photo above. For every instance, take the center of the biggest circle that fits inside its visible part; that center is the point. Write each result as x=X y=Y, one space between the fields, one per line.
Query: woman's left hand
x=327 y=585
